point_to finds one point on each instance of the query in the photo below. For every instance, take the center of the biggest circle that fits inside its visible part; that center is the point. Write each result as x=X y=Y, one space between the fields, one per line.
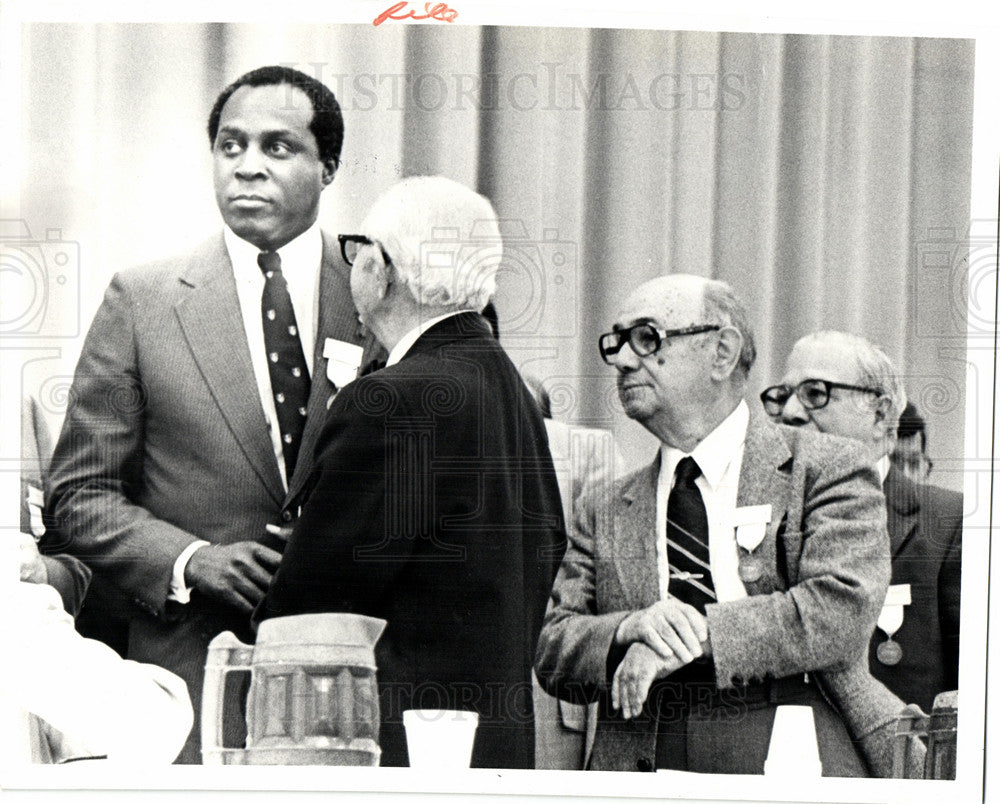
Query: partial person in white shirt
x=91 y=703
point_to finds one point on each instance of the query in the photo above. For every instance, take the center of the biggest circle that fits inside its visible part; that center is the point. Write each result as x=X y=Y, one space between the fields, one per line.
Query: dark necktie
x=687 y=539
x=285 y=361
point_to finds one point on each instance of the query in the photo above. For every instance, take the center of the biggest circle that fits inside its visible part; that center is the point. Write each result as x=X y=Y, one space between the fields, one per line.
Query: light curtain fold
x=826 y=177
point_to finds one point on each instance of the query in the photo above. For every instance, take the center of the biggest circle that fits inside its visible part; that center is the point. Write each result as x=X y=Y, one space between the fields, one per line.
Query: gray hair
x=721 y=306
x=443 y=238
x=875 y=369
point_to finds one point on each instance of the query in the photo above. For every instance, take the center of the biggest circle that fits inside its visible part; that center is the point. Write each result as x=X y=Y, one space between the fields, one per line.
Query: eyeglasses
x=813 y=394
x=350 y=243
x=645 y=339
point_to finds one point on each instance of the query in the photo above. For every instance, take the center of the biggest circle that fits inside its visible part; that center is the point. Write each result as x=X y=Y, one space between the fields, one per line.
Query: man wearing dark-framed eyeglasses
x=671 y=589
x=812 y=394
x=644 y=339
x=841 y=384
x=351 y=244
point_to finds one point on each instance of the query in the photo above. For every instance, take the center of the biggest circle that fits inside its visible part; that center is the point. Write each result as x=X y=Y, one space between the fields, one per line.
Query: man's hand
x=671 y=628
x=237 y=574
x=636 y=674
x=32 y=567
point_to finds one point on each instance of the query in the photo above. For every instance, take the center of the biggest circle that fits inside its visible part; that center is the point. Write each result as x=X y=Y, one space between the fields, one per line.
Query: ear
x=727 y=352
x=384 y=275
x=329 y=171
x=882 y=411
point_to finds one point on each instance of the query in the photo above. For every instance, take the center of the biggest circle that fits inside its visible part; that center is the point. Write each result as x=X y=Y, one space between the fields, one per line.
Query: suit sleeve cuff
x=179 y=591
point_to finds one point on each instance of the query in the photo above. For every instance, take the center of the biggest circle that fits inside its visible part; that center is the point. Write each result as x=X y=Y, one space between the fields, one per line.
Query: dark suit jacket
x=435 y=507
x=165 y=442
x=826 y=558
x=925 y=531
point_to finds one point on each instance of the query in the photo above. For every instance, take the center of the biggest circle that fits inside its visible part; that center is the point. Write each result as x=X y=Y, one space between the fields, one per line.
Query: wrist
x=623 y=631
x=192 y=565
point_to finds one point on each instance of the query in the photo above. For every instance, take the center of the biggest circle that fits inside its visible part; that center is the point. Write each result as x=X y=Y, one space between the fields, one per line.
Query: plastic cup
x=793 y=751
x=440 y=738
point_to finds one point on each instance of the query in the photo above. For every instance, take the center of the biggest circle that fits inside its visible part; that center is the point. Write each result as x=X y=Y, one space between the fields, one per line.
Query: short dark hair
x=327 y=124
x=911 y=423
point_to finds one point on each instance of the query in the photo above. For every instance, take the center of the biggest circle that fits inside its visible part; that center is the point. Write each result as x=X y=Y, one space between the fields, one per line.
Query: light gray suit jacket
x=165 y=441
x=826 y=560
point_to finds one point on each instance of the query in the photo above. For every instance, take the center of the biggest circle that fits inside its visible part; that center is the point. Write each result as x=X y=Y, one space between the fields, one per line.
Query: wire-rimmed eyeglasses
x=812 y=394
x=645 y=339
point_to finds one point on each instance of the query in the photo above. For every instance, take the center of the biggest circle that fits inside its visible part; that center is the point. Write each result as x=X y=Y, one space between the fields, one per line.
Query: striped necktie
x=687 y=539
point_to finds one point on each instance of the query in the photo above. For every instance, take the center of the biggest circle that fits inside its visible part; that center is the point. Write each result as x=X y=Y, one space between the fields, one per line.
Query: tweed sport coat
x=165 y=441
x=826 y=562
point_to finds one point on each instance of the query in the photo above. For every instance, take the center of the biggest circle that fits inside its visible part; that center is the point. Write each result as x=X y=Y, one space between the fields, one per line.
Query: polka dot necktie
x=285 y=361
x=687 y=539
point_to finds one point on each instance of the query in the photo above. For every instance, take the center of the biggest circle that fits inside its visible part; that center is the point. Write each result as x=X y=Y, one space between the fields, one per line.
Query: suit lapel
x=212 y=323
x=763 y=482
x=634 y=545
x=902 y=510
x=337 y=320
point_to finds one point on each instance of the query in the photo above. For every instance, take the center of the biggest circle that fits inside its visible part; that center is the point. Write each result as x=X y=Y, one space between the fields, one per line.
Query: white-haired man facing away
x=434 y=505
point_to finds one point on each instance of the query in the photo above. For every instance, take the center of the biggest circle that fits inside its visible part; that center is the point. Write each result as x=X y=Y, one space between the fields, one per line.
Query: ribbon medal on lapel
x=751 y=523
x=889 y=621
x=343 y=360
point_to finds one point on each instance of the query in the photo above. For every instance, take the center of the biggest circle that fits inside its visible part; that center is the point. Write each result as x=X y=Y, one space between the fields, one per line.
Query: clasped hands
x=662 y=638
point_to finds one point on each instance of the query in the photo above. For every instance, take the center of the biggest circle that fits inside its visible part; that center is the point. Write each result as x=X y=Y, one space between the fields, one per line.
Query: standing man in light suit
x=203 y=384
x=742 y=570
x=839 y=383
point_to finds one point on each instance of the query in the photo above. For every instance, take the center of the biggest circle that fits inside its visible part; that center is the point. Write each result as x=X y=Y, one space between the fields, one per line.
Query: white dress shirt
x=882 y=466
x=300 y=264
x=719 y=456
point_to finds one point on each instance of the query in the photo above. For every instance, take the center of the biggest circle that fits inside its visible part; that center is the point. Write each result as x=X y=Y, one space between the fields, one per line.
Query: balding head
x=868 y=411
x=675 y=382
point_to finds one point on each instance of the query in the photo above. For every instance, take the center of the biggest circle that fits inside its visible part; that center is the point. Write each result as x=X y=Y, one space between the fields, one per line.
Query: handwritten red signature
x=436 y=11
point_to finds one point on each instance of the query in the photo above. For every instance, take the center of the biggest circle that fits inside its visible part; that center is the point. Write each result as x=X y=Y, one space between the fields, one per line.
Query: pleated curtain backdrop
x=826 y=177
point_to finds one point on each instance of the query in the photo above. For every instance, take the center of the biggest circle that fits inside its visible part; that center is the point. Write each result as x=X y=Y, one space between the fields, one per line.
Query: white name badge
x=342 y=361
x=751 y=525
x=898 y=595
x=891 y=616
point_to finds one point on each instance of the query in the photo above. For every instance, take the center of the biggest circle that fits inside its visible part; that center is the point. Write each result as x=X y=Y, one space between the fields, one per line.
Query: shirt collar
x=716 y=451
x=405 y=343
x=299 y=257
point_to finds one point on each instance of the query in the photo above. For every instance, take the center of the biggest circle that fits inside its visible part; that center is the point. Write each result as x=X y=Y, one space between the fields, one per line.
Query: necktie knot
x=687 y=470
x=269 y=262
